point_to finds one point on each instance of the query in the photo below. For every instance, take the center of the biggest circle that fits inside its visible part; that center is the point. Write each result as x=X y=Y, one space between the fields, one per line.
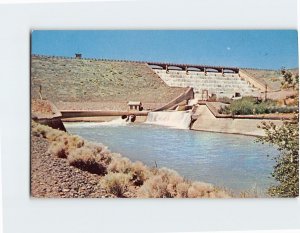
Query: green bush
x=286 y=168
x=250 y=105
x=242 y=107
x=287 y=109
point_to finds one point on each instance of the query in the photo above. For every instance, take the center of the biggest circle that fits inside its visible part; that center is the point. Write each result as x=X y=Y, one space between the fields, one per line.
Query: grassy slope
x=78 y=80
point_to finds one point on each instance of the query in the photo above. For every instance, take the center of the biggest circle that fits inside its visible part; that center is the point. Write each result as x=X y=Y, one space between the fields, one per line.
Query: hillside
x=83 y=80
x=272 y=78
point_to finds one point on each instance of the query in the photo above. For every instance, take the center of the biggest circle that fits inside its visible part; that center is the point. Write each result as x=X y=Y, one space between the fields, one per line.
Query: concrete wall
x=139 y=119
x=91 y=113
x=52 y=119
x=206 y=121
x=253 y=81
x=55 y=123
x=189 y=94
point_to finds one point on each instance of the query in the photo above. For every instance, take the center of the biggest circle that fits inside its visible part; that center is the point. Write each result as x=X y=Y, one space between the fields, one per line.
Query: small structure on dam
x=78 y=55
x=135 y=105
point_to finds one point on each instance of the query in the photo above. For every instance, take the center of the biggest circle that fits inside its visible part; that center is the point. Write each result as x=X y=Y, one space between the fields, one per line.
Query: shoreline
x=115 y=175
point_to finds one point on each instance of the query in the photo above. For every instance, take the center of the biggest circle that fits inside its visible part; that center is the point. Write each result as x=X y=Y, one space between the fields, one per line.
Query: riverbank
x=65 y=165
x=54 y=177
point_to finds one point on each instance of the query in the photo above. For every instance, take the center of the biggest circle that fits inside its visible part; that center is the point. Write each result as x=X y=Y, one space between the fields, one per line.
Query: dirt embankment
x=54 y=177
x=272 y=78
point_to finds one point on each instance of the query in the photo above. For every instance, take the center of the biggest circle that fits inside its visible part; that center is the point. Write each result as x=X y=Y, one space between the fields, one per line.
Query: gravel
x=54 y=177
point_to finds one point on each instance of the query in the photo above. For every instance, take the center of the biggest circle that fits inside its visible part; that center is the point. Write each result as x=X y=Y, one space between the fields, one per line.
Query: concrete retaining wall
x=138 y=119
x=189 y=94
x=54 y=123
x=253 y=81
x=90 y=113
x=52 y=120
x=206 y=121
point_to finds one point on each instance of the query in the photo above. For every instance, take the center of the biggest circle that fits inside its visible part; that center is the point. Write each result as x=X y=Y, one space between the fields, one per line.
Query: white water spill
x=116 y=122
x=175 y=119
x=112 y=123
x=192 y=102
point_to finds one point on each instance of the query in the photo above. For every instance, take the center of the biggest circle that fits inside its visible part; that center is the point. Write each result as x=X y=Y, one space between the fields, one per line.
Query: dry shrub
x=250 y=193
x=62 y=145
x=120 y=164
x=137 y=170
x=162 y=184
x=116 y=183
x=154 y=187
x=218 y=193
x=166 y=183
x=182 y=189
x=140 y=173
x=54 y=135
x=75 y=141
x=205 y=190
x=86 y=159
x=58 y=149
x=199 y=189
x=39 y=130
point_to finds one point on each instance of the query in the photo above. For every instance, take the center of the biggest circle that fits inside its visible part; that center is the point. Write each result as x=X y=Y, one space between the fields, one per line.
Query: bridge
x=190 y=67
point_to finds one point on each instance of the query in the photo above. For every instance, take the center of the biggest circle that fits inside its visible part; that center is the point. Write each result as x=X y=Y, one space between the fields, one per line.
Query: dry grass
x=118 y=175
x=78 y=80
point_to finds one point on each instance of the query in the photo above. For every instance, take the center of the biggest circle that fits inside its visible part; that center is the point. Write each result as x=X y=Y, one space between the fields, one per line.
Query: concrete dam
x=209 y=81
x=103 y=88
x=153 y=83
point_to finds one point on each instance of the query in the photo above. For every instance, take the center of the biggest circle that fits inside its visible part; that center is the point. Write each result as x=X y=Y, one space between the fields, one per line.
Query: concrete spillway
x=223 y=85
x=176 y=119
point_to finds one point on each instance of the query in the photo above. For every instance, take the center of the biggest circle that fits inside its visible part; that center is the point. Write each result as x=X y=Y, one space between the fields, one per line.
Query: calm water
x=232 y=161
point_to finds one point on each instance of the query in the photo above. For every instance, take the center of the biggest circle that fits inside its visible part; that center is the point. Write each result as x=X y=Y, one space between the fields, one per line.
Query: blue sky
x=269 y=49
